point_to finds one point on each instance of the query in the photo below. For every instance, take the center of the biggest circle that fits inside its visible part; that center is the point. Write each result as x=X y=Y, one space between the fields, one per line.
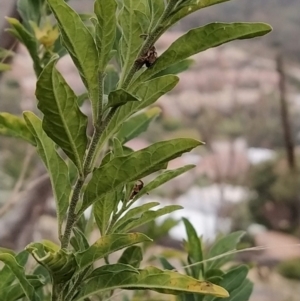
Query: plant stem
x=71 y=219
x=149 y=41
x=88 y=161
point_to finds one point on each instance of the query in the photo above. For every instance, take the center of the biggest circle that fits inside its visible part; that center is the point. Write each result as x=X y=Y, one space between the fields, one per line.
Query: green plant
x=210 y=265
x=290 y=268
x=110 y=55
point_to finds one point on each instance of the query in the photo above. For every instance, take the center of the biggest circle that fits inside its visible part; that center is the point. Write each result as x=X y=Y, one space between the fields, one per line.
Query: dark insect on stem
x=149 y=58
x=136 y=189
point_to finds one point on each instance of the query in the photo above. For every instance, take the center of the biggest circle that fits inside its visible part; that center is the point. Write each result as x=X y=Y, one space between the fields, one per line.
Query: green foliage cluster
x=213 y=265
x=98 y=170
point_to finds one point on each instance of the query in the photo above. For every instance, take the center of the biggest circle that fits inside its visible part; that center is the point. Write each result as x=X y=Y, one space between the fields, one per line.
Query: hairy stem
x=152 y=37
x=88 y=161
x=71 y=219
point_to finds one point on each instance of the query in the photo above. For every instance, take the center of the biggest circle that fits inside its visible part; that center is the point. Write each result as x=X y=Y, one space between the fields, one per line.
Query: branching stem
x=151 y=38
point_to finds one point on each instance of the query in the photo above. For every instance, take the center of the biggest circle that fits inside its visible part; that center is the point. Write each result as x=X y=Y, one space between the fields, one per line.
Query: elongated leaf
x=194 y=249
x=132 y=256
x=149 y=278
x=107 y=245
x=147 y=217
x=176 y=68
x=118 y=267
x=132 y=31
x=166 y=264
x=13 y=126
x=63 y=121
x=166 y=176
x=60 y=263
x=120 y=97
x=133 y=213
x=58 y=170
x=203 y=38
x=157 y=8
x=125 y=169
x=137 y=124
x=105 y=11
x=148 y=92
x=103 y=209
x=26 y=38
x=111 y=79
x=16 y=292
x=30 y=10
x=7 y=277
x=19 y=273
x=80 y=242
x=221 y=246
x=232 y=281
x=117 y=147
x=189 y=7
x=243 y=292
x=81 y=46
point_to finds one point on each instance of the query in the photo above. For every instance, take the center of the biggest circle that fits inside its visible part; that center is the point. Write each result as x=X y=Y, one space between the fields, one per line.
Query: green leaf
x=111 y=79
x=103 y=209
x=79 y=241
x=132 y=256
x=105 y=11
x=166 y=176
x=187 y=8
x=176 y=68
x=214 y=273
x=13 y=126
x=133 y=213
x=148 y=92
x=16 y=292
x=232 y=280
x=221 y=246
x=60 y=263
x=147 y=217
x=82 y=98
x=81 y=46
x=137 y=124
x=168 y=282
x=243 y=292
x=57 y=168
x=131 y=41
x=194 y=249
x=63 y=121
x=125 y=169
x=118 y=98
x=117 y=147
x=107 y=245
x=27 y=39
x=116 y=268
x=6 y=275
x=203 y=38
x=19 y=273
x=30 y=10
x=157 y=8
x=166 y=264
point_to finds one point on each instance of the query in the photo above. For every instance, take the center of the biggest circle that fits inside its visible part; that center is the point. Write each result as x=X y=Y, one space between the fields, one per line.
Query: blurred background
x=241 y=99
